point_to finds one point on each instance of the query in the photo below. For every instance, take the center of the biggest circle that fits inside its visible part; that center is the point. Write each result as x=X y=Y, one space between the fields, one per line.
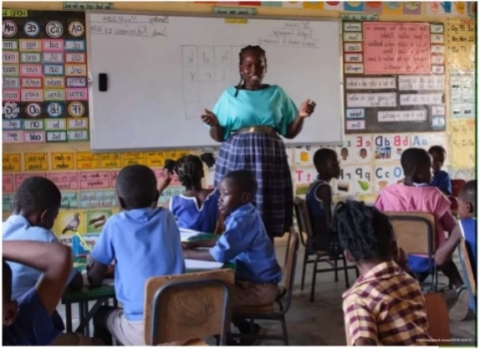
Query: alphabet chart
x=394 y=77
x=45 y=94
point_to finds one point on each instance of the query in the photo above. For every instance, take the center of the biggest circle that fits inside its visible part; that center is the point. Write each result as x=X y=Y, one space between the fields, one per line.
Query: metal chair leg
x=345 y=270
x=284 y=330
x=314 y=279
x=305 y=258
x=336 y=269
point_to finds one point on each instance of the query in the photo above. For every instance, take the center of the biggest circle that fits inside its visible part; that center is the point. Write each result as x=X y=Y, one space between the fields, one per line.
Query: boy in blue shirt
x=36 y=206
x=319 y=202
x=466 y=229
x=32 y=319
x=440 y=178
x=145 y=242
x=245 y=242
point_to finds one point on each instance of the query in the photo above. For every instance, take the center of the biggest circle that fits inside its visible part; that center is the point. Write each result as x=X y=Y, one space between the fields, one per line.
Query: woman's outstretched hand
x=307 y=108
x=209 y=118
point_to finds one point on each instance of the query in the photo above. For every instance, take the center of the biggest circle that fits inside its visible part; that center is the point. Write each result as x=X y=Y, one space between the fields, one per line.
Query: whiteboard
x=164 y=70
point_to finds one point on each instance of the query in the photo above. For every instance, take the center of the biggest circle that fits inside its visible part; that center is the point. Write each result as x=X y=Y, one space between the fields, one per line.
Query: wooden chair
x=319 y=256
x=415 y=234
x=187 y=307
x=283 y=300
x=457 y=185
x=467 y=272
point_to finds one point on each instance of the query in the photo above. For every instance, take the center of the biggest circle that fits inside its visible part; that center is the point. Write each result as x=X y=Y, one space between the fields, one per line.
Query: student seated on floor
x=145 y=242
x=466 y=229
x=197 y=207
x=245 y=242
x=385 y=306
x=32 y=319
x=319 y=201
x=416 y=195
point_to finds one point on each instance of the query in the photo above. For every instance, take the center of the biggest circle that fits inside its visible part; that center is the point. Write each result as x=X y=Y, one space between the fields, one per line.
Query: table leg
x=81 y=317
x=88 y=316
x=68 y=316
x=87 y=326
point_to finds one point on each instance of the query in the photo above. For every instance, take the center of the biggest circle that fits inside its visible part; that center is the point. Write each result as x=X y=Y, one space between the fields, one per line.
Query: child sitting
x=466 y=229
x=144 y=241
x=197 y=207
x=385 y=306
x=441 y=179
x=245 y=242
x=319 y=201
x=36 y=206
x=416 y=195
x=32 y=319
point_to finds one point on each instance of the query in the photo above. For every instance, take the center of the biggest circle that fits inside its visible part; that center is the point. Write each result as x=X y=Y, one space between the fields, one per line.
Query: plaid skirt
x=264 y=155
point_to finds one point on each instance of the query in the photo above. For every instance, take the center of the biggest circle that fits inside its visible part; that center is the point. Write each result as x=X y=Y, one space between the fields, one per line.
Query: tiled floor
x=321 y=322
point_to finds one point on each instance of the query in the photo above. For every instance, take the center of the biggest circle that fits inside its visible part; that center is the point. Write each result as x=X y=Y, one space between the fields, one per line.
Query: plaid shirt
x=387 y=306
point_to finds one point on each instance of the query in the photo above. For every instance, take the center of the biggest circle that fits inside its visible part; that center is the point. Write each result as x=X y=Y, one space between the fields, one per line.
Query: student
x=319 y=200
x=416 y=195
x=32 y=319
x=385 y=306
x=35 y=207
x=144 y=241
x=466 y=229
x=244 y=242
x=441 y=179
x=197 y=207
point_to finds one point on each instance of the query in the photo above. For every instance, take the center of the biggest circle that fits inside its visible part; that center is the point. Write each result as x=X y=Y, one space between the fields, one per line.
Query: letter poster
x=45 y=92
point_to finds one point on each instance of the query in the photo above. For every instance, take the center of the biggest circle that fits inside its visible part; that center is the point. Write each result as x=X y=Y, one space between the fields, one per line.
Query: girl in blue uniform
x=197 y=207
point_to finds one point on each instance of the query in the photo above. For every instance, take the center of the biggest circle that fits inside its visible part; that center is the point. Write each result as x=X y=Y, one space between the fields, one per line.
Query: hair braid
x=250 y=48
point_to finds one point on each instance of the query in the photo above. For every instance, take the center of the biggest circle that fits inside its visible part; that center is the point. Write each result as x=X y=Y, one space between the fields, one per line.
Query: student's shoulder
x=12 y=231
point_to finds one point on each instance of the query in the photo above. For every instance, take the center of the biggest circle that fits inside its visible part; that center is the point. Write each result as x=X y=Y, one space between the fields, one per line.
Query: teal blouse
x=270 y=107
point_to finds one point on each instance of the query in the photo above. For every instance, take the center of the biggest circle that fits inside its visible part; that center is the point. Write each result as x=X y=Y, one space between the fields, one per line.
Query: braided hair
x=363 y=231
x=190 y=168
x=256 y=49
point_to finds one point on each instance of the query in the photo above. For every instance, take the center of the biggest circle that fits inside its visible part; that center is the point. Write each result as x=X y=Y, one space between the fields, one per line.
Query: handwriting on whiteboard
x=402 y=116
x=293 y=34
x=421 y=82
x=371 y=83
x=386 y=99
x=149 y=29
x=420 y=99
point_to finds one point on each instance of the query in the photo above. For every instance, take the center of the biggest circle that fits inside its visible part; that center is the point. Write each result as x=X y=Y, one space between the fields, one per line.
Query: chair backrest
x=414 y=232
x=290 y=265
x=188 y=306
x=437 y=318
x=457 y=185
x=467 y=272
x=303 y=218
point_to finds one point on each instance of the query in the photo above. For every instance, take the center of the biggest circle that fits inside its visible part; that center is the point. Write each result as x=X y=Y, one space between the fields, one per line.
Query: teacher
x=247 y=120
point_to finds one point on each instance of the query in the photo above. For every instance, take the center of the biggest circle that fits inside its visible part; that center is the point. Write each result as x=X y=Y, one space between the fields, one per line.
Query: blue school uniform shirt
x=189 y=215
x=269 y=107
x=33 y=325
x=17 y=228
x=316 y=210
x=144 y=243
x=441 y=179
x=245 y=242
x=469 y=233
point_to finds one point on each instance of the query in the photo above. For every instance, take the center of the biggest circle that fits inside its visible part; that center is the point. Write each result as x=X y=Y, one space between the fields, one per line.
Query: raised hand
x=209 y=118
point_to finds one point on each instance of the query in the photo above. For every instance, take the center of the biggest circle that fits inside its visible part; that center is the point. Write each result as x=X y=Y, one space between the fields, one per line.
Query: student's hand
x=307 y=108
x=209 y=118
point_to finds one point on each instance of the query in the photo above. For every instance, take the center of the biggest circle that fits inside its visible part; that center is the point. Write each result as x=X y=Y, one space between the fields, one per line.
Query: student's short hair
x=412 y=158
x=36 y=194
x=469 y=192
x=6 y=281
x=190 y=168
x=321 y=157
x=437 y=149
x=137 y=186
x=243 y=180
x=363 y=230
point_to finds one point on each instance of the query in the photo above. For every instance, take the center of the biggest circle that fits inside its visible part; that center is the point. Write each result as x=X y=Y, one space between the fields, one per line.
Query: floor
x=321 y=322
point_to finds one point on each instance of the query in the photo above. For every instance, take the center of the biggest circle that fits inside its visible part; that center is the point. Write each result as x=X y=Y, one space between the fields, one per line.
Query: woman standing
x=247 y=120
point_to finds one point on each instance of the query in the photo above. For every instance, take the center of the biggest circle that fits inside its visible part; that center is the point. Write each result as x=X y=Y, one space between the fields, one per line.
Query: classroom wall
x=363 y=175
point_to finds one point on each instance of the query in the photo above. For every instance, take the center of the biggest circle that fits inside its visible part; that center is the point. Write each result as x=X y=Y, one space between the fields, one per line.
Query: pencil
x=84 y=243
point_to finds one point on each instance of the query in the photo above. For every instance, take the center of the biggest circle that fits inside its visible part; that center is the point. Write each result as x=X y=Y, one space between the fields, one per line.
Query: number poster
x=45 y=93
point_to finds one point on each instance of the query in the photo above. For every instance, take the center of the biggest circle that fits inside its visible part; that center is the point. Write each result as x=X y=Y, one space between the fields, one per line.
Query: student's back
x=144 y=243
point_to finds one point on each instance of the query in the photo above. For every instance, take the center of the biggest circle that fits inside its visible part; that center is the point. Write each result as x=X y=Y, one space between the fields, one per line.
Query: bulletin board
x=394 y=77
x=45 y=95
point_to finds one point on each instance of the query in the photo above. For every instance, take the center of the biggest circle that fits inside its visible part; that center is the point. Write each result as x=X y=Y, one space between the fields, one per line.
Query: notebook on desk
x=191 y=264
x=187 y=234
